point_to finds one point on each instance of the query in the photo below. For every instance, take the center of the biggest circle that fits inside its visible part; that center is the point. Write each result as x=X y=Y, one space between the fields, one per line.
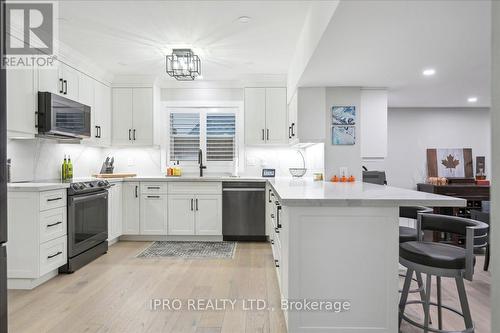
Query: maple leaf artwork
x=450 y=162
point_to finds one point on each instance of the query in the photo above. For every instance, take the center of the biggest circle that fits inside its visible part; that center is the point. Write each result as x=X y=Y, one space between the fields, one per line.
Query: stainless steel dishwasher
x=244 y=211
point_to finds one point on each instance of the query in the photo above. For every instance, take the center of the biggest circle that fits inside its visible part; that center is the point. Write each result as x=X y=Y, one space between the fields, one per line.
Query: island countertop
x=305 y=192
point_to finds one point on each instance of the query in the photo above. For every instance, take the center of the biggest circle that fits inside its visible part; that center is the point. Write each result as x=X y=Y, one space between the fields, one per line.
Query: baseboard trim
x=28 y=284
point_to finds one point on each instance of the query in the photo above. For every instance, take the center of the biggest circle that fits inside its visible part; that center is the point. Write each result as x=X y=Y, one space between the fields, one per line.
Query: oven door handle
x=88 y=197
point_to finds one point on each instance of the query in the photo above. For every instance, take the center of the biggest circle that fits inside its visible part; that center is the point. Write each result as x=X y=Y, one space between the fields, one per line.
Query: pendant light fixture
x=183 y=65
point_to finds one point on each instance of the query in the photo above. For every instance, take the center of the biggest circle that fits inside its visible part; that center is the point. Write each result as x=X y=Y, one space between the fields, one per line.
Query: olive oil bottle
x=70 y=169
x=64 y=168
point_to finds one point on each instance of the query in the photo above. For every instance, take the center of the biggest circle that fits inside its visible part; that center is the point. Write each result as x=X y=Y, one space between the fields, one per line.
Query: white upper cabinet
x=292 y=120
x=70 y=82
x=122 y=118
x=255 y=116
x=21 y=103
x=265 y=116
x=86 y=90
x=307 y=112
x=50 y=81
x=142 y=116
x=373 y=123
x=132 y=116
x=276 y=116
x=101 y=129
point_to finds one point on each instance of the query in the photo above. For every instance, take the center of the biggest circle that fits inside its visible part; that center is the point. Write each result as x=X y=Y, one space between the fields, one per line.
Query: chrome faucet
x=200 y=162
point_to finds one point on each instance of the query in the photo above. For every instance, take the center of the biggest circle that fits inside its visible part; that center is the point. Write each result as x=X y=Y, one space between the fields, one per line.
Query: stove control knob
x=82 y=186
x=75 y=187
x=101 y=183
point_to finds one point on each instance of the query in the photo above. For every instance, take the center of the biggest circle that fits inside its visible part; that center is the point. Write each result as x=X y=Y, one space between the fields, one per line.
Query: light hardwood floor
x=113 y=294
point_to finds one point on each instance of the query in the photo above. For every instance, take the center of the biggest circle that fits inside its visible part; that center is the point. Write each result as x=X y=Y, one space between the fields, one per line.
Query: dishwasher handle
x=243 y=189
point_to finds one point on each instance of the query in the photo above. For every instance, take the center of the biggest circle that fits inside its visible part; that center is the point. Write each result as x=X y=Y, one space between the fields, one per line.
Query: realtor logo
x=29 y=34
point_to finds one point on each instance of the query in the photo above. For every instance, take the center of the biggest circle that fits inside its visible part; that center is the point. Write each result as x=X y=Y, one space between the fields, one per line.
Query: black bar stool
x=408 y=234
x=441 y=260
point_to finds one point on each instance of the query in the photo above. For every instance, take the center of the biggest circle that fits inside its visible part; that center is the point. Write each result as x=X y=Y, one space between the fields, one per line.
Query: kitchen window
x=214 y=130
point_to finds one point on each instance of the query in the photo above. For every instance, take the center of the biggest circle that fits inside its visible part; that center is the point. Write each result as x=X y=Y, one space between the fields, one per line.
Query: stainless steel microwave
x=62 y=117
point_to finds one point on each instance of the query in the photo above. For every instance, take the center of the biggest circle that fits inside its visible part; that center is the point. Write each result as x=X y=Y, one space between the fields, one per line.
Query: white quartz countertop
x=294 y=192
x=36 y=187
x=304 y=192
x=190 y=178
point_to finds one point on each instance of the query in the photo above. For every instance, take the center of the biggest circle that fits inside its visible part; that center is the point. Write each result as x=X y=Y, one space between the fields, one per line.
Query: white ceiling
x=133 y=37
x=389 y=43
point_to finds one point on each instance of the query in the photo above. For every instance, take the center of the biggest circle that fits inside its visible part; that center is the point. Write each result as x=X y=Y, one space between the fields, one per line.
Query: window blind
x=221 y=129
x=184 y=136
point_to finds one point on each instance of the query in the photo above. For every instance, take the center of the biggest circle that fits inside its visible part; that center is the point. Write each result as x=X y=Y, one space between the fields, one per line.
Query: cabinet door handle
x=154 y=196
x=192 y=204
x=289 y=132
x=99 y=127
x=61 y=87
x=196 y=204
x=54 y=199
x=263 y=138
x=65 y=87
x=267 y=134
x=270 y=196
x=278 y=223
x=293 y=129
x=54 y=255
x=53 y=224
x=129 y=134
x=276 y=230
x=134 y=134
x=96 y=131
x=276 y=263
x=136 y=188
x=153 y=187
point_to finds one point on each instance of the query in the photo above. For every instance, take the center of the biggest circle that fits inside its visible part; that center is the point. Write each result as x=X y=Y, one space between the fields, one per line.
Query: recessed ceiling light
x=244 y=19
x=472 y=99
x=429 y=72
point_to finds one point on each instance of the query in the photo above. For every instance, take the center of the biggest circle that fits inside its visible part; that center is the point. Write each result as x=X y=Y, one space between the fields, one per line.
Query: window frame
x=213 y=166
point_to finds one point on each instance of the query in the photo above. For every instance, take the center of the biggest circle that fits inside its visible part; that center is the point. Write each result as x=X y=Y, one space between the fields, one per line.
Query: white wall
x=315 y=24
x=342 y=156
x=281 y=159
x=412 y=131
x=41 y=159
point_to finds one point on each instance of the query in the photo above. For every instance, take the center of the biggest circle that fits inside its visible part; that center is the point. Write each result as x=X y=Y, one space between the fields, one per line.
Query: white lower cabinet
x=131 y=208
x=195 y=214
x=208 y=211
x=153 y=214
x=37 y=233
x=115 y=211
x=181 y=214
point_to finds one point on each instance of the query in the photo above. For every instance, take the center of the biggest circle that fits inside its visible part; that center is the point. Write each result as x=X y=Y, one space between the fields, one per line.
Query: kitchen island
x=339 y=242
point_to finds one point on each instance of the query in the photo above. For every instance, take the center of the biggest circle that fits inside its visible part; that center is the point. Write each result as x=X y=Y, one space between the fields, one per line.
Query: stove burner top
x=87 y=186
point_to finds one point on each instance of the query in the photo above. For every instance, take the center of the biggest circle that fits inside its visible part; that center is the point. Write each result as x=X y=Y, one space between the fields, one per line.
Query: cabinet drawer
x=195 y=188
x=52 y=224
x=53 y=254
x=153 y=188
x=52 y=199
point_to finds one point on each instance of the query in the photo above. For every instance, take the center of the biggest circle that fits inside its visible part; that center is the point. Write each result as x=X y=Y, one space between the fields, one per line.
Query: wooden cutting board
x=114 y=175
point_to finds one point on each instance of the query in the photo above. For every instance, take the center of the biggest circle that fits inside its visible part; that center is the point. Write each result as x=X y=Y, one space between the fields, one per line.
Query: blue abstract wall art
x=343 y=115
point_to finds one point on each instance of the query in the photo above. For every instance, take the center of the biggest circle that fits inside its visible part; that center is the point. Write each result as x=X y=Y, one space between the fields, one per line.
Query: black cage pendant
x=183 y=65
